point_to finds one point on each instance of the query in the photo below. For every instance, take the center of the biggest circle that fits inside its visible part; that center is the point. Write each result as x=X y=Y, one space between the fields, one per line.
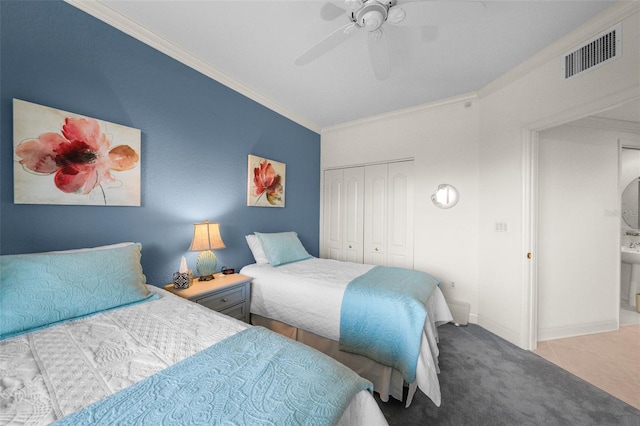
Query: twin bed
x=307 y=299
x=83 y=340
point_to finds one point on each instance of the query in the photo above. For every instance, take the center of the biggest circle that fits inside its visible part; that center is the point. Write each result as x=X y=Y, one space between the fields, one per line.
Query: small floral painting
x=265 y=182
x=65 y=158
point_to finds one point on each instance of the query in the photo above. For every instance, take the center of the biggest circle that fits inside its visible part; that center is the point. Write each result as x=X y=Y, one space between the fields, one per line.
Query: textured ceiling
x=255 y=44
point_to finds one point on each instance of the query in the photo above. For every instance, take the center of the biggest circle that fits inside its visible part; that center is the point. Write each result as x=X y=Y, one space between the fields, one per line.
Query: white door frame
x=530 y=142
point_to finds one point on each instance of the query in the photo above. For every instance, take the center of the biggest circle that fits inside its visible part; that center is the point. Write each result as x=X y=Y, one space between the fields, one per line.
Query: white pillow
x=256 y=250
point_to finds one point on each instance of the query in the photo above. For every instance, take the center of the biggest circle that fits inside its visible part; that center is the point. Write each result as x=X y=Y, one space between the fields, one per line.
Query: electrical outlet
x=453 y=284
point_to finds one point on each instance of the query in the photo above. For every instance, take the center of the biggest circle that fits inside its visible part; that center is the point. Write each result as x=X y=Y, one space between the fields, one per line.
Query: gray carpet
x=486 y=380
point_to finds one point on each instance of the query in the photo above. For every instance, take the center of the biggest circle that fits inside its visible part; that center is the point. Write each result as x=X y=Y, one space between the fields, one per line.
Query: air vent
x=601 y=49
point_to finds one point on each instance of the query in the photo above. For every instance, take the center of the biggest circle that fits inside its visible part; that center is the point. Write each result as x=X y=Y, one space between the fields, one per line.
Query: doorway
x=563 y=322
x=630 y=230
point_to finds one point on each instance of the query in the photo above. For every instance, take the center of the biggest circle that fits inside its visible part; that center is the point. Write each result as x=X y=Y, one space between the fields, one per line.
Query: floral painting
x=65 y=158
x=265 y=182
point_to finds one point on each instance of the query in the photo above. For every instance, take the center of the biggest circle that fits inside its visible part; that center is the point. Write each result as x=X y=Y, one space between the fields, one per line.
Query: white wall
x=532 y=99
x=578 y=230
x=483 y=150
x=443 y=140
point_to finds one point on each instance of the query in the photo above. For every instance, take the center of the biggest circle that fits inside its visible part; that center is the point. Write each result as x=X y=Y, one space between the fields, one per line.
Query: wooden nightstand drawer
x=227 y=294
x=223 y=300
x=237 y=312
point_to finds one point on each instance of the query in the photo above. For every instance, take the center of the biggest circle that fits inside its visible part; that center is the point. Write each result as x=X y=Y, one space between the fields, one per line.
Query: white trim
x=608 y=124
x=529 y=297
x=374 y=163
x=621 y=145
x=596 y=106
x=467 y=98
x=137 y=31
x=577 y=330
x=498 y=329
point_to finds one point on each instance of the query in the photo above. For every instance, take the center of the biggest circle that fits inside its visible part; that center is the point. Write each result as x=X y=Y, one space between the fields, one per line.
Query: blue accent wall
x=196 y=135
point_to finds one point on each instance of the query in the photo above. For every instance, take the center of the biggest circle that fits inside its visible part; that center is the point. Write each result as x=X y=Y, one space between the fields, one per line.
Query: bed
x=83 y=340
x=303 y=297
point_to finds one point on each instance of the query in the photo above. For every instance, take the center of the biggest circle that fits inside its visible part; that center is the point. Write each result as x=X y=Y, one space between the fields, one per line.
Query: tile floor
x=610 y=361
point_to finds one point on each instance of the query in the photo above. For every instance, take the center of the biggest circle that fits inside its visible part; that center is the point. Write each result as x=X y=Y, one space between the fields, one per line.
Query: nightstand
x=227 y=294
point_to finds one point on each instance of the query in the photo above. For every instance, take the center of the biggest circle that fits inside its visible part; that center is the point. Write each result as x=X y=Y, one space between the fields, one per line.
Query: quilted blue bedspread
x=255 y=377
x=382 y=316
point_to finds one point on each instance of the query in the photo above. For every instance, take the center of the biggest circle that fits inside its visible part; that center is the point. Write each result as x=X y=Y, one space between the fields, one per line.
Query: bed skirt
x=386 y=380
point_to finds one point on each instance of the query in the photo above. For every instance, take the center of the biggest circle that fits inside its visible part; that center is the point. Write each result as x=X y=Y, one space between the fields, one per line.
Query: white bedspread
x=308 y=295
x=50 y=373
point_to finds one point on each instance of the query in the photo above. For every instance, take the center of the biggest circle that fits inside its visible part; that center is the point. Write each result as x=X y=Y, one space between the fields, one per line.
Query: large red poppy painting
x=265 y=182
x=65 y=158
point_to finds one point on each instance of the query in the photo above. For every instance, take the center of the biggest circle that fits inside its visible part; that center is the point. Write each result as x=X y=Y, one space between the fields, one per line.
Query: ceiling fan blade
x=434 y=12
x=379 y=54
x=332 y=10
x=327 y=43
x=335 y=8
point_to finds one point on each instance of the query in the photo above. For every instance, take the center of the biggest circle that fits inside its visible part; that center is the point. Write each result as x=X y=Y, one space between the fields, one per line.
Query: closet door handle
x=376 y=248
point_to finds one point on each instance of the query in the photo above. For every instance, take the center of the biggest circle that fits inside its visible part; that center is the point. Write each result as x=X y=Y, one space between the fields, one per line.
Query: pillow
x=44 y=288
x=256 y=250
x=282 y=247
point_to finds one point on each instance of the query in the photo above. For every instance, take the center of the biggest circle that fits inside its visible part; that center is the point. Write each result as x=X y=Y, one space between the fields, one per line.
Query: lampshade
x=206 y=237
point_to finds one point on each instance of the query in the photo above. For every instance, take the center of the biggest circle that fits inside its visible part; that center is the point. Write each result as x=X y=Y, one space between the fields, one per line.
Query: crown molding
x=601 y=22
x=117 y=20
x=468 y=99
x=608 y=124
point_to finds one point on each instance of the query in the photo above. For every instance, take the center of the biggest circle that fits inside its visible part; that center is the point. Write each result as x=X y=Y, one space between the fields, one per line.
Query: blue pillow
x=39 y=289
x=282 y=247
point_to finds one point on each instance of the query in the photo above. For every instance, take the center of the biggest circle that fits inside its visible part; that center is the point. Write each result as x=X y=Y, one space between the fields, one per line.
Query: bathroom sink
x=630 y=255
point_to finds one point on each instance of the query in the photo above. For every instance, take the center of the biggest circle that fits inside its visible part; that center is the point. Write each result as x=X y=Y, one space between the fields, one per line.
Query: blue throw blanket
x=382 y=316
x=255 y=377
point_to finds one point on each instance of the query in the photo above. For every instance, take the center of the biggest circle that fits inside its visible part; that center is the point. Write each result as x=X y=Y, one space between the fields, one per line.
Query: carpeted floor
x=486 y=380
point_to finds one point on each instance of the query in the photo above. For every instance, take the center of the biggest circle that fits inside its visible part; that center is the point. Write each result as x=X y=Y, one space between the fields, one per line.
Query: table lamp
x=206 y=238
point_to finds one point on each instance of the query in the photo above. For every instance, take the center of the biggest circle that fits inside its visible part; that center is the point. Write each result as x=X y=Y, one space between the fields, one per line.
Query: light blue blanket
x=383 y=314
x=255 y=377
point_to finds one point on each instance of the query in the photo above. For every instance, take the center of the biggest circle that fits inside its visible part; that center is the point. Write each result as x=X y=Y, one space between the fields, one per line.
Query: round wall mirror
x=446 y=196
x=630 y=204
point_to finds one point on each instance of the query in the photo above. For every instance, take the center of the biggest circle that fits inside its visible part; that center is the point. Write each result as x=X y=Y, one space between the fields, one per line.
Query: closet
x=368 y=214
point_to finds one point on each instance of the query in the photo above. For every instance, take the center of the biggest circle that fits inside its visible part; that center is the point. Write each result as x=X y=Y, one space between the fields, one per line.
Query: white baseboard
x=499 y=330
x=576 y=330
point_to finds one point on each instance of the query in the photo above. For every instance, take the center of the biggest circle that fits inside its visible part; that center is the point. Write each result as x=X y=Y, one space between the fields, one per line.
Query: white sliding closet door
x=332 y=234
x=375 y=214
x=400 y=208
x=368 y=214
x=343 y=214
x=353 y=214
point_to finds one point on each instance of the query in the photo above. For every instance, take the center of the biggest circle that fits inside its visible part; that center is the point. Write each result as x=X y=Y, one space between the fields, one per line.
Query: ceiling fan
x=372 y=15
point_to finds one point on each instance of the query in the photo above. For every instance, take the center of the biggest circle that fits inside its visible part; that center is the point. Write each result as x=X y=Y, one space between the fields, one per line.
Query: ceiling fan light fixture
x=372 y=20
x=371 y=15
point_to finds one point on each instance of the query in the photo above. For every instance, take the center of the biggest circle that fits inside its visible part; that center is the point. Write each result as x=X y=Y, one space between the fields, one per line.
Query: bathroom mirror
x=630 y=204
x=446 y=196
